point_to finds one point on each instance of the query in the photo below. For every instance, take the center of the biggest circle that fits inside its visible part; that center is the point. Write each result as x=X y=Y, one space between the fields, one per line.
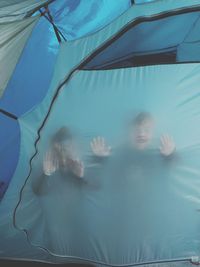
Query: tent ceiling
x=151 y=36
x=12 y=10
x=77 y=18
x=32 y=74
x=74 y=18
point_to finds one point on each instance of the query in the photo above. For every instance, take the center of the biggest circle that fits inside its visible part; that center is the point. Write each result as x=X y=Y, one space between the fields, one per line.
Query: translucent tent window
x=133 y=193
x=164 y=40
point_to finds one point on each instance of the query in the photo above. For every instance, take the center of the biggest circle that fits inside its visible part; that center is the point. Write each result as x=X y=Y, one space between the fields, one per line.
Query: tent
x=147 y=59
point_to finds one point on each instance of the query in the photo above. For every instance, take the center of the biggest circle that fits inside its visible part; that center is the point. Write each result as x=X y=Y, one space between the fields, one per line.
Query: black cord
x=49 y=17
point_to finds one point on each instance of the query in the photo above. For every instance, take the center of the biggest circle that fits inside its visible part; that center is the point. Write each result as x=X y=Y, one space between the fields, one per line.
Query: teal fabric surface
x=13 y=36
x=13 y=10
x=78 y=50
x=132 y=208
x=128 y=209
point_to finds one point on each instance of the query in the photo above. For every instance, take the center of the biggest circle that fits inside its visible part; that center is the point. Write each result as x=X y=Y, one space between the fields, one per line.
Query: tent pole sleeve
x=48 y=16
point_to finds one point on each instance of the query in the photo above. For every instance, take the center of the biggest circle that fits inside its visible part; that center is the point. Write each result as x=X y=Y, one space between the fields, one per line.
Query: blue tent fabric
x=22 y=94
x=81 y=18
x=49 y=81
x=36 y=84
x=31 y=84
x=44 y=38
x=143 y=1
x=10 y=146
x=160 y=37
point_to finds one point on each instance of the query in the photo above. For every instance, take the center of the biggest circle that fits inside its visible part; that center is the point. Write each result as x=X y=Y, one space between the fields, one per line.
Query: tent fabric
x=86 y=46
x=80 y=95
x=160 y=37
x=9 y=158
x=30 y=84
x=82 y=18
x=13 y=39
x=88 y=218
x=34 y=86
x=13 y=10
x=143 y=1
x=89 y=44
x=184 y=52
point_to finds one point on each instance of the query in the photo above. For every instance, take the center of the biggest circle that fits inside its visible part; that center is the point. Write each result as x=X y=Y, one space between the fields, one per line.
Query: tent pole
x=50 y=19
